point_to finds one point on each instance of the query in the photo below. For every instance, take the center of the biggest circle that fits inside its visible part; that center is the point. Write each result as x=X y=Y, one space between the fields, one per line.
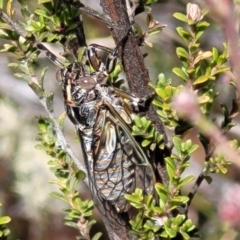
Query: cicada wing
x=120 y=164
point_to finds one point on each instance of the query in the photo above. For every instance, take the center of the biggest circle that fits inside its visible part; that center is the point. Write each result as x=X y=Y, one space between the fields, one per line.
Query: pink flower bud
x=186 y=104
x=229 y=207
x=194 y=13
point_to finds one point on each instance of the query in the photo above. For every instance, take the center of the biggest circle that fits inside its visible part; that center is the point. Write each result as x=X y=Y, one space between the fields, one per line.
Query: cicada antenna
x=52 y=57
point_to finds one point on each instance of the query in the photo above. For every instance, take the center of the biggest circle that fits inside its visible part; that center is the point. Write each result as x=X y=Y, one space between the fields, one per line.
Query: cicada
x=115 y=161
x=116 y=164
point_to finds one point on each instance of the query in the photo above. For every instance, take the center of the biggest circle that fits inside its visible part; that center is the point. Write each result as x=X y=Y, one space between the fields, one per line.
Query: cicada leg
x=136 y=104
x=110 y=64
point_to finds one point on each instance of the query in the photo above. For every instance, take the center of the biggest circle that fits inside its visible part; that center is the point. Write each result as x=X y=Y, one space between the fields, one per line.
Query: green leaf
x=202 y=25
x=198 y=35
x=193 y=148
x=37 y=89
x=44 y=1
x=162 y=191
x=151 y=225
x=161 y=93
x=9 y=48
x=185 y=181
x=185 y=235
x=155 y=30
x=178 y=200
x=49 y=101
x=182 y=53
x=178 y=220
x=51 y=37
x=208 y=179
x=189 y=225
x=41 y=79
x=170 y=231
x=43 y=12
x=177 y=143
x=97 y=236
x=149 y=2
x=201 y=79
x=202 y=56
x=72 y=224
x=146 y=142
x=221 y=60
x=181 y=17
x=4 y=220
x=180 y=73
x=215 y=54
x=30 y=28
x=221 y=70
x=42 y=125
x=22 y=76
x=185 y=35
x=171 y=167
x=59 y=196
x=200 y=29
x=194 y=47
x=138 y=122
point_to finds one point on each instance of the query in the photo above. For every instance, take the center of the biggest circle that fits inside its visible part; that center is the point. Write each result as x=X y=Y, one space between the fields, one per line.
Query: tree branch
x=136 y=71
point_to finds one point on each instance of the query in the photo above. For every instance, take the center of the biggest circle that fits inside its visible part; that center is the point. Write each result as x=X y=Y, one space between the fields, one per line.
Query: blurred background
x=24 y=173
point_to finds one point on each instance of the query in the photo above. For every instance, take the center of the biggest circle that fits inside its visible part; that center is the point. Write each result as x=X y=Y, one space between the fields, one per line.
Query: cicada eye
x=59 y=75
x=86 y=82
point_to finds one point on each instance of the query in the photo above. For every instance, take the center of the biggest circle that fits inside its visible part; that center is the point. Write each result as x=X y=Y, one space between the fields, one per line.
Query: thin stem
x=99 y=16
x=59 y=134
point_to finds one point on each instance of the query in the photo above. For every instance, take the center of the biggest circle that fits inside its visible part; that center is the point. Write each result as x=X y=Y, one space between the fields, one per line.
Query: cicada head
x=78 y=84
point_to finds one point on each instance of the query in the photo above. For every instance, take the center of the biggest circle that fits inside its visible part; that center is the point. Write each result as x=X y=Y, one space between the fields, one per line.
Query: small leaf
x=201 y=79
x=146 y=142
x=221 y=70
x=97 y=236
x=4 y=220
x=198 y=35
x=181 y=52
x=9 y=10
x=221 y=60
x=161 y=93
x=185 y=181
x=185 y=235
x=202 y=25
x=181 y=17
x=215 y=54
x=193 y=148
x=208 y=179
x=177 y=143
x=37 y=89
x=41 y=79
x=170 y=231
x=171 y=167
x=59 y=196
x=162 y=192
x=179 y=200
x=185 y=35
x=202 y=56
x=22 y=76
x=49 y=101
x=43 y=12
x=180 y=73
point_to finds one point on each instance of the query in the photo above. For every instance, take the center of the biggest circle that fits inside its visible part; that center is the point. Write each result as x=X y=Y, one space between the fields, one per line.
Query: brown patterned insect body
x=115 y=162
